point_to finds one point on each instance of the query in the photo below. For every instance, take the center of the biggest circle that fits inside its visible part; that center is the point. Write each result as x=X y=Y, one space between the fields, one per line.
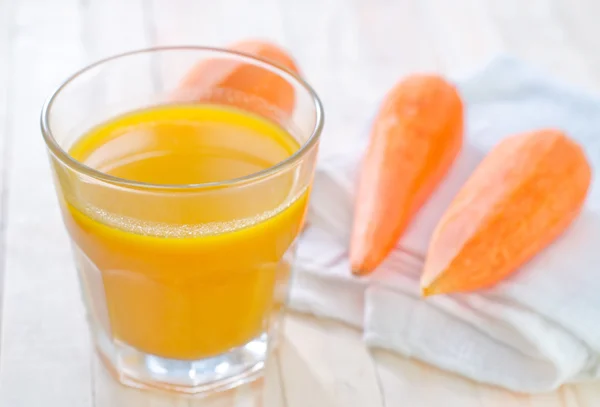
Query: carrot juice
x=189 y=268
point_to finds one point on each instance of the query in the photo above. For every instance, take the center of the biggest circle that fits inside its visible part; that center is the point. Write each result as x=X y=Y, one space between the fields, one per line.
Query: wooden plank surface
x=351 y=51
x=45 y=351
x=6 y=26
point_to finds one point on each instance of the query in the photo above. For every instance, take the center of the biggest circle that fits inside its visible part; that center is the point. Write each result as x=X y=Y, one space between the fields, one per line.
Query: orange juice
x=188 y=272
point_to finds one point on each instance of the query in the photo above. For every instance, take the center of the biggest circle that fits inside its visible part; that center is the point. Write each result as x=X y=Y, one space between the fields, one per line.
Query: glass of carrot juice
x=183 y=199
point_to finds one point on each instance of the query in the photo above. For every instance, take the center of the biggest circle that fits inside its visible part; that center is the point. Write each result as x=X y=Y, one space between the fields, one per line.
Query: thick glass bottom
x=140 y=370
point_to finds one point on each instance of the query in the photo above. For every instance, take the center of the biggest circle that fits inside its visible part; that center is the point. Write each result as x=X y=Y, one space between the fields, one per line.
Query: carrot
x=241 y=84
x=522 y=196
x=415 y=138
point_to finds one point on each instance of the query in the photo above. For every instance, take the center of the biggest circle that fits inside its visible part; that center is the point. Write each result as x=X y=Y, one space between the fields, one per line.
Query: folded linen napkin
x=531 y=333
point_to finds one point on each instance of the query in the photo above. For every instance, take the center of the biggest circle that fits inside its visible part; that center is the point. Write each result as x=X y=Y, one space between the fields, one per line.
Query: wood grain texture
x=351 y=51
x=537 y=32
x=113 y=26
x=45 y=349
x=336 y=357
x=459 y=50
x=6 y=28
x=216 y=23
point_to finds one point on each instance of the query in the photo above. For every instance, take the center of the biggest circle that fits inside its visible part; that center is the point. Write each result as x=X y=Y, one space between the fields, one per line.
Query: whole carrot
x=255 y=88
x=414 y=140
x=521 y=197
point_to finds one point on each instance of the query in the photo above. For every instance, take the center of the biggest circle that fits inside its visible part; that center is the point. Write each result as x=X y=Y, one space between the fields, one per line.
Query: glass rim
x=64 y=157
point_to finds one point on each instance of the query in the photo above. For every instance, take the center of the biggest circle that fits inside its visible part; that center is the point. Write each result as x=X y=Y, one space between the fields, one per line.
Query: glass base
x=140 y=370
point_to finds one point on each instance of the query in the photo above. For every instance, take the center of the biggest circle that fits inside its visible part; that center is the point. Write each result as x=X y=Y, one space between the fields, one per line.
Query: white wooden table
x=351 y=51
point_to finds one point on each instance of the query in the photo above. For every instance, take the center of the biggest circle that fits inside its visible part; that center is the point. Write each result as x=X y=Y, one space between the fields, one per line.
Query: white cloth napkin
x=531 y=333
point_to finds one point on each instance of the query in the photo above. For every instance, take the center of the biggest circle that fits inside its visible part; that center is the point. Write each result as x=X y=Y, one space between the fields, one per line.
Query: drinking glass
x=180 y=295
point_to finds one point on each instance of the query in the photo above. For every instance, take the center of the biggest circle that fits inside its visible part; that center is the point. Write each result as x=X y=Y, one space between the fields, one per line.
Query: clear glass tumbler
x=184 y=284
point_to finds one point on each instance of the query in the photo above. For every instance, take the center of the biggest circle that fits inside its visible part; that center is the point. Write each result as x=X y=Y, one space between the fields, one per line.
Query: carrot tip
x=359 y=271
x=428 y=291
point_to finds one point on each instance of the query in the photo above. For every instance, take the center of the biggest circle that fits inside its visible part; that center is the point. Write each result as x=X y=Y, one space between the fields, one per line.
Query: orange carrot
x=253 y=87
x=414 y=140
x=522 y=196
